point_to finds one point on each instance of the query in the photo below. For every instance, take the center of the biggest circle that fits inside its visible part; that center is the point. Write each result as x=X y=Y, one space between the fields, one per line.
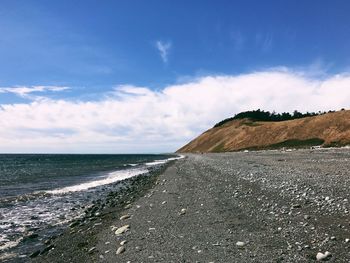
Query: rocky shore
x=76 y=243
x=267 y=206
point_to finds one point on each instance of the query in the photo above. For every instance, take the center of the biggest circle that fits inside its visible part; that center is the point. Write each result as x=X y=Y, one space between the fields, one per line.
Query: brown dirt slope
x=331 y=129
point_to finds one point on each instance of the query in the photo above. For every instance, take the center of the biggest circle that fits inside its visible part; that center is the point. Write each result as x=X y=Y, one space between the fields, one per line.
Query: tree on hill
x=260 y=115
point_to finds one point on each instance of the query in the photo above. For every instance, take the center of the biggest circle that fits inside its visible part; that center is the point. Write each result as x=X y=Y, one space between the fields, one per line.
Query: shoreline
x=226 y=207
x=83 y=230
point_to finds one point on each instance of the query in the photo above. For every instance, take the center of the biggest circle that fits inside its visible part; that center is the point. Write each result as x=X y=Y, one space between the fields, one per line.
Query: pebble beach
x=264 y=206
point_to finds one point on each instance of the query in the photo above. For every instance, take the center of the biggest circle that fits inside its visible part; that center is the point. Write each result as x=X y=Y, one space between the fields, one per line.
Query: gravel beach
x=266 y=206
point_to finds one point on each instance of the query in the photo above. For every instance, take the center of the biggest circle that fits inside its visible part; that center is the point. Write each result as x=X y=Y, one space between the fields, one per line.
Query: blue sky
x=93 y=45
x=89 y=51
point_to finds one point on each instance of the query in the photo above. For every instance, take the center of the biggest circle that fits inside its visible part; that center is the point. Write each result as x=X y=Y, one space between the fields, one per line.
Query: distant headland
x=257 y=130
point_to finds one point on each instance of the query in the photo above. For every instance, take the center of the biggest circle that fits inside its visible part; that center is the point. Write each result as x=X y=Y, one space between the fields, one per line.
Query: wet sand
x=232 y=207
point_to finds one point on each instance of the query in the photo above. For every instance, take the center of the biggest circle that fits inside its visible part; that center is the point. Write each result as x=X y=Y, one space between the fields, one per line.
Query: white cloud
x=163 y=48
x=139 y=119
x=24 y=91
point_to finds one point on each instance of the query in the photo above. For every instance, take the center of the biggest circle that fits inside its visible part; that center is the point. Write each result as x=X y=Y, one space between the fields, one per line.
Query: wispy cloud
x=264 y=41
x=140 y=119
x=163 y=48
x=25 y=91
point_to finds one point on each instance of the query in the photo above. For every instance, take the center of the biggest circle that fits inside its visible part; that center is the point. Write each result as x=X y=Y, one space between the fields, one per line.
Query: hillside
x=330 y=129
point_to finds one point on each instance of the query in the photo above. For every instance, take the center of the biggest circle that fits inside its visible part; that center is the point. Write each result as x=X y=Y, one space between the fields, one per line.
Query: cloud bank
x=131 y=119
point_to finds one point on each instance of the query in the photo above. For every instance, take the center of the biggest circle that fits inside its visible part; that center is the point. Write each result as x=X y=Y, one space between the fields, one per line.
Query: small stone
x=120 y=250
x=320 y=256
x=128 y=206
x=164 y=202
x=333 y=238
x=183 y=211
x=92 y=249
x=123 y=242
x=326 y=198
x=240 y=244
x=347 y=240
x=122 y=230
x=124 y=217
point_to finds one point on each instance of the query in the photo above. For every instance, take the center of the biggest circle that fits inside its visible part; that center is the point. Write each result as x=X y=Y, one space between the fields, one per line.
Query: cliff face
x=331 y=129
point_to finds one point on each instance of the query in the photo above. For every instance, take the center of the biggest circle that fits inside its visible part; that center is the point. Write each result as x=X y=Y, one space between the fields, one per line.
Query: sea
x=42 y=193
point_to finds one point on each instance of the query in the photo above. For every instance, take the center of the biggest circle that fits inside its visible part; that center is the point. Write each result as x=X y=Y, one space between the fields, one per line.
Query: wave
x=110 y=178
x=158 y=162
x=10 y=244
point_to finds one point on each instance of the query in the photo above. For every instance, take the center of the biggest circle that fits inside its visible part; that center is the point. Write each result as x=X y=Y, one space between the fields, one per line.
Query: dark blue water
x=44 y=191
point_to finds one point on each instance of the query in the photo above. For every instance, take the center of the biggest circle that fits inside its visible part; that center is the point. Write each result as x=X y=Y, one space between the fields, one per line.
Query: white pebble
x=240 y=244
x=122 y=229
x=320 y=256
x=124 y=217
x=120 y=250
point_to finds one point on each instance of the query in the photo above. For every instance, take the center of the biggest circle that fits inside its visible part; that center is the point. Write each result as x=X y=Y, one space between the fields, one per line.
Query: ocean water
x=42 y=193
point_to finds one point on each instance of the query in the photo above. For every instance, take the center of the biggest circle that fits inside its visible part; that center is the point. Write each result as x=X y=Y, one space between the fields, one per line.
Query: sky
x=149 y=76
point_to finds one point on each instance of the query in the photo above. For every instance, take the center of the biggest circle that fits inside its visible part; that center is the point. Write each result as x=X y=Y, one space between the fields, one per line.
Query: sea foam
x=110 y=178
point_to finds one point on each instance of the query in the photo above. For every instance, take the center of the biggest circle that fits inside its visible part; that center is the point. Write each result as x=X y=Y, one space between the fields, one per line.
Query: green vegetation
x=334 y=144
x=251 y=123
x=219 y=147
x=293 y=143
x=260 y=115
